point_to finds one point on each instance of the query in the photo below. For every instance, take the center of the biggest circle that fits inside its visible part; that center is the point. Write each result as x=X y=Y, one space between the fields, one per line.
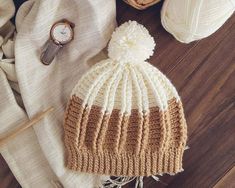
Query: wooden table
x=204 y=74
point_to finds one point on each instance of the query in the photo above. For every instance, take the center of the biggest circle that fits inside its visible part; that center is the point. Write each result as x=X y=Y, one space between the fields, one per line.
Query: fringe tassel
x=118 y=182
x=186 y=148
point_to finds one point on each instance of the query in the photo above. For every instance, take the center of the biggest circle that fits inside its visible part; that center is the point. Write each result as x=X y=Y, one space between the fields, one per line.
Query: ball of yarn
x=131 y=43
x=190 y=20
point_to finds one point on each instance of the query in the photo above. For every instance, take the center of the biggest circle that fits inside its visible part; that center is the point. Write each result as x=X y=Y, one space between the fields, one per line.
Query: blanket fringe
x=118 y=182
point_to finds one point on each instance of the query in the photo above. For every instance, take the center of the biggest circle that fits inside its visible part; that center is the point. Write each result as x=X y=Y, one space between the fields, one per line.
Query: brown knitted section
x=139 y=144
x=125 y=164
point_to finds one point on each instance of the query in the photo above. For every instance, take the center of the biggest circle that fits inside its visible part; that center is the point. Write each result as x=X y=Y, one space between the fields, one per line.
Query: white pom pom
x=131 y=42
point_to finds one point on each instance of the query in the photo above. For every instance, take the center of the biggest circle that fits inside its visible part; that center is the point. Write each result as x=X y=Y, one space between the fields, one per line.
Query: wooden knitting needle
x=24 y=126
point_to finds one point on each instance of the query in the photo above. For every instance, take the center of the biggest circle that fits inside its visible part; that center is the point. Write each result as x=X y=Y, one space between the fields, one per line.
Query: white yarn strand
x=139 y=182
x=121 y=181
x=129 y=94
x=143 y=88
x=111 y=89
x=137 y=89
x=124 y=93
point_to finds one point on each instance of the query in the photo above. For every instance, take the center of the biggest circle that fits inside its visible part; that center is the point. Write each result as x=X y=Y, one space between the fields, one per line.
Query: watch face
x=62 y=33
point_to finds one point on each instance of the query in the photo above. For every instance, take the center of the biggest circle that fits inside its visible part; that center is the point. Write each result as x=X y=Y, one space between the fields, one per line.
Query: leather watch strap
x=50 y=50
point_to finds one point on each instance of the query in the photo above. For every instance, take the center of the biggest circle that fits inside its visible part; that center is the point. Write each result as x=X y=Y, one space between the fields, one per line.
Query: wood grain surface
x=204 y=74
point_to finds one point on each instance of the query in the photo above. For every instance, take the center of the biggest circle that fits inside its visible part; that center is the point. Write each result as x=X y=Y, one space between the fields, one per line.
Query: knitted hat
x=124 y=117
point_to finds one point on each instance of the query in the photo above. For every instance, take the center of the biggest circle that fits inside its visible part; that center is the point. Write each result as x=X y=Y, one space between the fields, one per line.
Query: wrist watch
x=61 y=33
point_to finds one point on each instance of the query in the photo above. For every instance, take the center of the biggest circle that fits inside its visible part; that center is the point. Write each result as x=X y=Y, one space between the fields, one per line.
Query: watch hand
x=64 y=28
x=63 y=31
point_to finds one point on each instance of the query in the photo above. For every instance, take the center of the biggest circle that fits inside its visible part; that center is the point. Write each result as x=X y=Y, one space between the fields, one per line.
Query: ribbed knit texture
x=125 y=119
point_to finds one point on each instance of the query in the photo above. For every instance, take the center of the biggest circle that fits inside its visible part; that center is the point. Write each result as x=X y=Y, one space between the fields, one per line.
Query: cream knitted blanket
x=36 y=157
